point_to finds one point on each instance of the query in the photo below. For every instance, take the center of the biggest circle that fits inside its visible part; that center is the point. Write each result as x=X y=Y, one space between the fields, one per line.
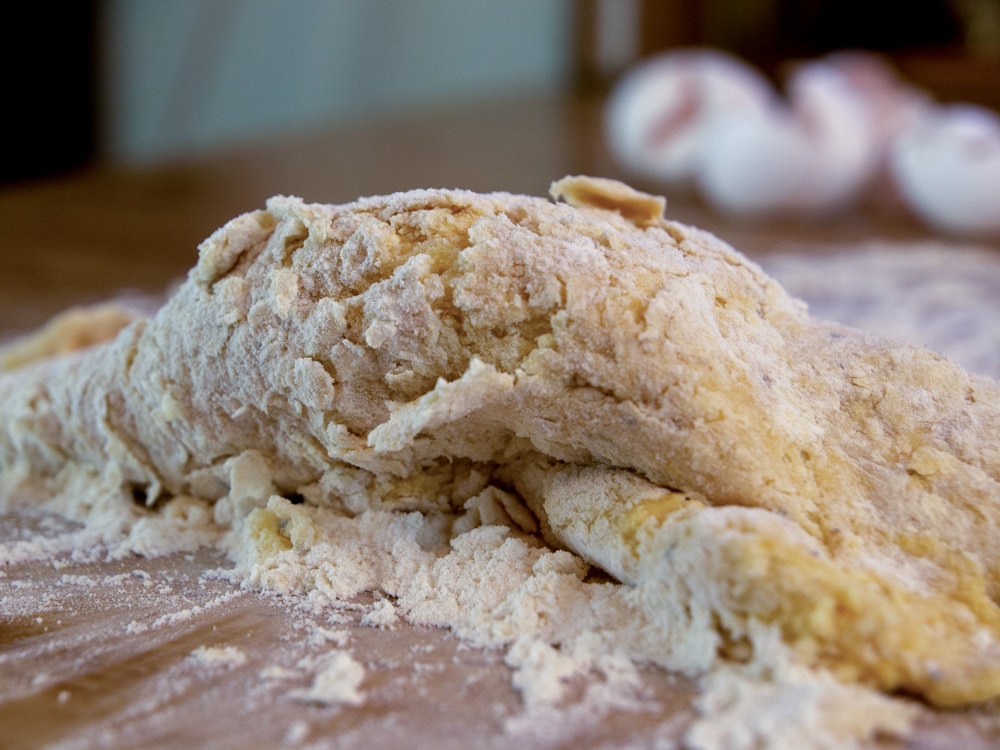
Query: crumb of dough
x=70 y=330
x=800 y=710
x=297 y=733
x=381 y=614
x=219 y=656
x=336 y=682
x=464 y=400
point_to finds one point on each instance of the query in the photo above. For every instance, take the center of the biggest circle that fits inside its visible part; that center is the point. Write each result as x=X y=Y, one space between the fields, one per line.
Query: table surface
x=104 y=230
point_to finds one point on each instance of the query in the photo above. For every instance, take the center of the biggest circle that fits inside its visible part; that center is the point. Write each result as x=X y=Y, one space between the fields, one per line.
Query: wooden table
x=90 y=235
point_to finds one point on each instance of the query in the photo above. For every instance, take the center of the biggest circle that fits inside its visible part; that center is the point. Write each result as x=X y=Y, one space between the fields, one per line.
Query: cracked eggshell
x=657 y=115
x=892 y=104
x=809 y=157
x=836 y=117
x=947 y=168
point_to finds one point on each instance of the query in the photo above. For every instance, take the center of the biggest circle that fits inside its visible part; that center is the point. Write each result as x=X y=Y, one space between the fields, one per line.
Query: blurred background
x=143 y=81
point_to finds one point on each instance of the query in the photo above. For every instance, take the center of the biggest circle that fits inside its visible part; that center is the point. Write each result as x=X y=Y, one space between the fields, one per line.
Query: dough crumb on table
x=218 y=656
x=576 y=430
x=336 y=682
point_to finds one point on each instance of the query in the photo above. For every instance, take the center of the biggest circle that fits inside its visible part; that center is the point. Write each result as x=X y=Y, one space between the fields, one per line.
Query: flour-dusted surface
x=170 y=652
x=262 y=455
x=942 y=296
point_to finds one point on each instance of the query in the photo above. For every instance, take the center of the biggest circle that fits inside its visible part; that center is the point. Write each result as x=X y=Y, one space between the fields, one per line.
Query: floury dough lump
x=580 y=381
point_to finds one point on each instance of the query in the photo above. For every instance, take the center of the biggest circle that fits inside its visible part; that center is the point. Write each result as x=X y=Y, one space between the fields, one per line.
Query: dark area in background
x=52 y=57
x=806 y=28
x=50 y=54
x=930 y=41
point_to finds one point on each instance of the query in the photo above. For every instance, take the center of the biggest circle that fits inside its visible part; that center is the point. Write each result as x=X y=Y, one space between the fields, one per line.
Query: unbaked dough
x=584 y=371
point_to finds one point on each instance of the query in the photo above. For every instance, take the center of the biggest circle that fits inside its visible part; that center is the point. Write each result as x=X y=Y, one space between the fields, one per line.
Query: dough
x=660 y=405
x=70 y=330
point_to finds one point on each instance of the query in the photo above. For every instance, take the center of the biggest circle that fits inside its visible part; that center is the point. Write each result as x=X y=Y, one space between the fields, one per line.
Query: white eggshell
x=892 y=103
x=810 y=157
x=656 y=115
x=833 y=113
x=755 y=167
x=947 y=168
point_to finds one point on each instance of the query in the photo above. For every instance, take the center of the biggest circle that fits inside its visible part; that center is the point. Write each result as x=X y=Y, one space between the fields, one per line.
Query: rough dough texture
x=631 y=388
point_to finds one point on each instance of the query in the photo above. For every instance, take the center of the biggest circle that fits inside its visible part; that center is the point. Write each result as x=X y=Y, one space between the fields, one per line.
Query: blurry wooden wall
x=949 y=47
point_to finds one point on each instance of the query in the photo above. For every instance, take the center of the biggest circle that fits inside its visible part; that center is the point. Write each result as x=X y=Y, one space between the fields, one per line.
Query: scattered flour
x=942 y=296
